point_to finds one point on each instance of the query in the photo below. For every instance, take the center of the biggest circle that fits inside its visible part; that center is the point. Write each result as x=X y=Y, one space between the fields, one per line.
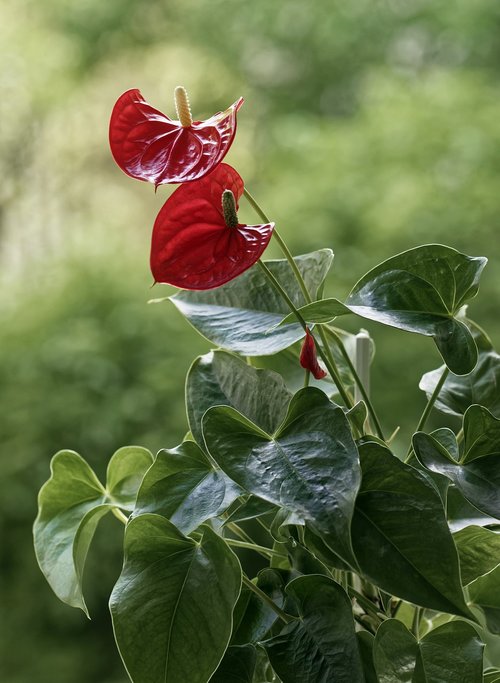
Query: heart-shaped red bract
x=192 y=247
x=149 y=146
x=308 y=358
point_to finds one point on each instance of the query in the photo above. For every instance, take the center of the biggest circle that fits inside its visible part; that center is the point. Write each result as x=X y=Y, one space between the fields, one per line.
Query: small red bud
x=308 y=358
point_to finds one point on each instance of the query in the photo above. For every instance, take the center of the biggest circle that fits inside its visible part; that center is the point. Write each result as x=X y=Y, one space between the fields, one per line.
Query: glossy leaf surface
x=71 y=503
x=322 y=646
x=168 y=584
x=221 y=378
x=183 y=486
x=149 y=146
x=479 y=552
x=477 y=480
x=310 y=466
x=481 y=386
x=395 y=503
x=239 y=315
x=192 y=247
x=420 y=290
x=452 y=652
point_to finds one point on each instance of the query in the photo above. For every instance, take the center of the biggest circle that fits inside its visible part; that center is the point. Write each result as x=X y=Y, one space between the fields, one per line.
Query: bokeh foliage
x=368 y=127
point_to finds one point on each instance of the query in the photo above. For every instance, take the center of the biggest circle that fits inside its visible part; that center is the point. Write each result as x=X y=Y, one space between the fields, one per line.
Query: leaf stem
x=417 y=616
x=429 y=406
x=358 y=381
x=330 y=366
x=262 y=550
x=119 y=515
x=303 y=287
x=265 y=598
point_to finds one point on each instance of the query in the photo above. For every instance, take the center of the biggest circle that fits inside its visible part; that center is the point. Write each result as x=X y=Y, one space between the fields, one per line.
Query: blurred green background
x=369 y=126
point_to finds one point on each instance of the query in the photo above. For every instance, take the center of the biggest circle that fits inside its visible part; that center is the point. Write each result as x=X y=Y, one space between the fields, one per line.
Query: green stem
x=429 y=406
x=119 y=515
x=303 y=287
x=330 y=366
x=365 y=603
x=265 y=598
x=356 y=378
x=417 y=616
x=265 y=552
x=307 y=377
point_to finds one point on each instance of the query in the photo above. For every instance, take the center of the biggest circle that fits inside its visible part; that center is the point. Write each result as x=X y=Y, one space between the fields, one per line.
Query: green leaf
x=322 y=646
x=395 y=653
x=220 y=378
x=237 y=666
x=421 y=290
x=479 y=552
x=295 y=467
x=238 y=316
x=481 y=434
x=452 y=652
x=173 y=602
x=125 y=472
x=71 y=503
x=365 y=644
x=491 y=676
x=252 y=617
x=183 y=486
x=250 y=509
x=485 y=593
x=480 y=386
x=395 y=504
x=462 y=514
x=478 y=480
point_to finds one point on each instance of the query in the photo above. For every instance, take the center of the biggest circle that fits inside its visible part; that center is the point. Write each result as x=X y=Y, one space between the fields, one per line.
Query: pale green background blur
x=369 y=126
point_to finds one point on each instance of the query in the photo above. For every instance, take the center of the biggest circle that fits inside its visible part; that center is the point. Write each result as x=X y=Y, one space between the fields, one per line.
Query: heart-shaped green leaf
x=237 y=666
x=479 y=552
x=71 y=503
x=309 y=466
x=462 y=514
x=395 y=503
x=478 y=480
x=172 y=590
x=183 y=486
x=239 y=315
x=421 y=290
x=365 y=644
x=481 y=434
x=451 y=652
x=481 y=386
x=221 y=378
x=322 y=645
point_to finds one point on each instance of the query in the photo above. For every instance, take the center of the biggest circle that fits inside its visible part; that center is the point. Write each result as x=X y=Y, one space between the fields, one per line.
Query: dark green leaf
x=183 y=486
x=481 y=434
x=395 y=653
x=253 y=507
x=462 y=514
x=421 y=290
x=237 y=666
x=491 y=676
x=452 y=652
x=478 y=480
x=395 y=504
x=479 y=552
x=71 y=503
x=481 y=386
x=321 y=647
x=295 y=467
x=239 y=315
x=173 y=602
x=252 y=617
x=220 y=378
x=485 y=593
x=365 y=644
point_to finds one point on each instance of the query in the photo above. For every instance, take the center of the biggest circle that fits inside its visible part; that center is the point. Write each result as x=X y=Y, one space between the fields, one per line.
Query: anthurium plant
x=287 y=538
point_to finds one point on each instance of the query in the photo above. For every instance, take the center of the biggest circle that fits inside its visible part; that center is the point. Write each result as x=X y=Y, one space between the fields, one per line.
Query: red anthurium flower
x=198 y=242
x=149 y=146
x=308 y=358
